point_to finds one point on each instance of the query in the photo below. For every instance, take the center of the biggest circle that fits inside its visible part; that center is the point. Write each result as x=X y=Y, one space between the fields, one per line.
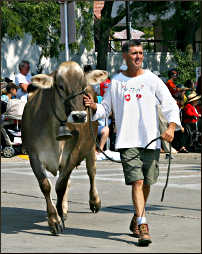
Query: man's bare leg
x=105 y=135
x=140 y=193
x=138 y=198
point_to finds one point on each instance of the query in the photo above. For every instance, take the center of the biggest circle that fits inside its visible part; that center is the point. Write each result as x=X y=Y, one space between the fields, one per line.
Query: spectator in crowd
x=132 y=97
x=23 y=79
x=190 y=115
x=103 y=132
x=10 y=93
x=180 y=141
x=171 y=84
x=199 y=105
x=189 y=84
x=181 y=98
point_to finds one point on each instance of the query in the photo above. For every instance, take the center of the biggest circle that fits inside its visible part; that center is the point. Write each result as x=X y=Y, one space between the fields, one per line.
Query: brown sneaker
x=134 y=227
x=144 y=239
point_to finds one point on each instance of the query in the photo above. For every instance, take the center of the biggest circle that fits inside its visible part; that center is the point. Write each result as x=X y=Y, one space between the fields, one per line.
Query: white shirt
x=20 y=78
x=134 y=103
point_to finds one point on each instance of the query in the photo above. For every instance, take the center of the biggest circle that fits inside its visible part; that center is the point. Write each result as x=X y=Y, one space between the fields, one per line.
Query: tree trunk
x=102 y=52
x=103 y=28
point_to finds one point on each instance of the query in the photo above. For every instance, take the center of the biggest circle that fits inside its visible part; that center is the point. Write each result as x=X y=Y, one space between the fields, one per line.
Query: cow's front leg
x=54 y=221
x=65 y=201
x=94 y=200
x=62 y=188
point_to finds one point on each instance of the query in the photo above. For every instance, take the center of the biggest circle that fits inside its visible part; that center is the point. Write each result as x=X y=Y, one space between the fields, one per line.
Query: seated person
x=10 y=92
x=103 y=131
x=180 y=140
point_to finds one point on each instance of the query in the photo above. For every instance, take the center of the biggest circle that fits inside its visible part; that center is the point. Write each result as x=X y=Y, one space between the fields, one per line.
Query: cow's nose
x=79 y=117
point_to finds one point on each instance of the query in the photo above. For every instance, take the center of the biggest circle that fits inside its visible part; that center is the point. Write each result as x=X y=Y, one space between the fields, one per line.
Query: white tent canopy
x=135 y=34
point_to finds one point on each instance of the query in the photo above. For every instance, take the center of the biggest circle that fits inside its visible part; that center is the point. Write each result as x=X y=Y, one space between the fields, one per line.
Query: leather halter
x=66 y=100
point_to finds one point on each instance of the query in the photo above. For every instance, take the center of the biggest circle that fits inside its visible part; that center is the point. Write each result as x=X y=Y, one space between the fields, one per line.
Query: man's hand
x=89 y=102
x=168 y=135
x=24 y=87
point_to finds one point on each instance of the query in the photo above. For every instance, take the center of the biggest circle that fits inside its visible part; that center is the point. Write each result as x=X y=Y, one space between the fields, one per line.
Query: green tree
x=39 y=18
x=185 y=64
x=186 y=15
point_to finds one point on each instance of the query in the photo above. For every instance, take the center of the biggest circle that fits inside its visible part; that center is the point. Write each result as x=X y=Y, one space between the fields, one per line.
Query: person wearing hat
x=190 y=114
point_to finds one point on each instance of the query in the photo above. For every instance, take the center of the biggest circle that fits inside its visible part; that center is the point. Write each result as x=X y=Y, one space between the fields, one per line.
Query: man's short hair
x=133 y=43
x=23 y=63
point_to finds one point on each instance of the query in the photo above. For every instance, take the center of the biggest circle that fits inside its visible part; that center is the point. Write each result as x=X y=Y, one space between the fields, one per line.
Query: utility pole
x=66 y=32
x=128 y=19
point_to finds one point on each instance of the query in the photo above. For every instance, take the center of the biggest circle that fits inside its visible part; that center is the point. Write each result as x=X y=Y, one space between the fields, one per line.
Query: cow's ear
x=43 y=81
x=96 y=77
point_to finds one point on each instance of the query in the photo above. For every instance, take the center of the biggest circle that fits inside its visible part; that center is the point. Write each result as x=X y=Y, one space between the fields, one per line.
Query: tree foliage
x=40 y=19
x=185 y=64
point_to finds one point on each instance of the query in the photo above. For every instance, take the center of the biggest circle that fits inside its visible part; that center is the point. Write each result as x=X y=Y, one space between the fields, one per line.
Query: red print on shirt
x=127 y=97
x=138 y=96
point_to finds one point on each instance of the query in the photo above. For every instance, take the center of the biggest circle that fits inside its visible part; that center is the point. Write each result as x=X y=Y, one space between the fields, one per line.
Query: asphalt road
x=175 y=223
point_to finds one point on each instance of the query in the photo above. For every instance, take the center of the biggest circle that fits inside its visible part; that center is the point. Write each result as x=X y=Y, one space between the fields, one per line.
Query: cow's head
x=70 y=83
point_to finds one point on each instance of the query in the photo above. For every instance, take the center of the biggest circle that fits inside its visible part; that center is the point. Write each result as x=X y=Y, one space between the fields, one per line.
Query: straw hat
x=193 y=97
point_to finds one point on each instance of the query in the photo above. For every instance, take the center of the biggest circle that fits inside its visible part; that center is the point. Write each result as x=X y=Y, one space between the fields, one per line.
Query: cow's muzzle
x=77 y=117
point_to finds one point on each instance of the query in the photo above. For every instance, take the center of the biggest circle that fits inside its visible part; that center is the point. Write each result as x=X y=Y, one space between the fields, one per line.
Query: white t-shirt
x=134 y=103
x=20 y=78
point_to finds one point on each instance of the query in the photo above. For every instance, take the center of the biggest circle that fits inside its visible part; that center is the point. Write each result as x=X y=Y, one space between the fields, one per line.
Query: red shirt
x=103 y=86
x=190 y=114
x=172 y=87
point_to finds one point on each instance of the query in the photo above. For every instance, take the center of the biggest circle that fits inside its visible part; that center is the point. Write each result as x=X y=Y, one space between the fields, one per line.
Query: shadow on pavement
x=100 y=235
x=150 y=208
x=15 y=220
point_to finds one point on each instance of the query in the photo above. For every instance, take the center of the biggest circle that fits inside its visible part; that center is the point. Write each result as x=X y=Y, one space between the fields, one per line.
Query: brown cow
x=58 y=97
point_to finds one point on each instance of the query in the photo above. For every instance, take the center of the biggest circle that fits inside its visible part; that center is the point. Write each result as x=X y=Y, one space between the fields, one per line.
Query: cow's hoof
x=95 y=207
x=57 y=228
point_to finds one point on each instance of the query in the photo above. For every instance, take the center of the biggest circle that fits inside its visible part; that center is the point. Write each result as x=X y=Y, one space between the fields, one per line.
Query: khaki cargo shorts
x=144 y=167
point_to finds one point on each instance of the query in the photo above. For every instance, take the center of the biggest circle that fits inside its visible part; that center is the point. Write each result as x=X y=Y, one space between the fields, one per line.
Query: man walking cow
x=133 y=96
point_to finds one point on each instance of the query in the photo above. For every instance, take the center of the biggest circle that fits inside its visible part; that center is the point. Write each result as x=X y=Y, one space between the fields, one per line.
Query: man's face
x=25 y=69
x=134 y=57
